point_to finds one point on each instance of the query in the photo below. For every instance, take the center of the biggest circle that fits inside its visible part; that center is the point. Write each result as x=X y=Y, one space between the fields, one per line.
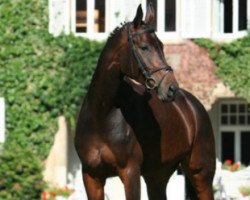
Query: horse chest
x=109 y=145
x=94 y=152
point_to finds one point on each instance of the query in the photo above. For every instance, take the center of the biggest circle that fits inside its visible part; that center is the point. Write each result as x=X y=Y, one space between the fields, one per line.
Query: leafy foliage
x=41 y=77
x=233 y=61
x=19 y=174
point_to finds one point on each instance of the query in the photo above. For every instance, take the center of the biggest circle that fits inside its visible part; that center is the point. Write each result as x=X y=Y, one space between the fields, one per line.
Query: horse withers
x=125 y=133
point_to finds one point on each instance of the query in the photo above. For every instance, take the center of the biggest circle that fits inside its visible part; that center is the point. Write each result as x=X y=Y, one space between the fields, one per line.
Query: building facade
x=176 y=19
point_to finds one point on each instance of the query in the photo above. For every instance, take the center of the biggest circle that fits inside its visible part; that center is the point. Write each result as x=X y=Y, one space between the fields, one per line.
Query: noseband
x=150 y=82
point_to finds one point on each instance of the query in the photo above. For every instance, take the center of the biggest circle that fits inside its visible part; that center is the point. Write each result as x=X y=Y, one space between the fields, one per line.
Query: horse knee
x=203 y=184
x=94 y=187
x=130 y=176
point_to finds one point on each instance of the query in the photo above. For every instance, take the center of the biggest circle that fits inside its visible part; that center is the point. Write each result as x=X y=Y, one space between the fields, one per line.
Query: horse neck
x=103 y=93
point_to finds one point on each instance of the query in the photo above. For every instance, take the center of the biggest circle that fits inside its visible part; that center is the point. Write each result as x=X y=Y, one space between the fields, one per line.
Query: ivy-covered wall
x=41 y=77
x=233 y=61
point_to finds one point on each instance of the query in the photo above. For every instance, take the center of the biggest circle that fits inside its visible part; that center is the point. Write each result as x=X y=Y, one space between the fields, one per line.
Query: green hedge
x=233 y=61
x=41 y=77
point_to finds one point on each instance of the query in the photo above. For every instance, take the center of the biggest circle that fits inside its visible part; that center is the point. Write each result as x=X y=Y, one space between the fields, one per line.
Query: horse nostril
x=172 y=88
x=171 y=92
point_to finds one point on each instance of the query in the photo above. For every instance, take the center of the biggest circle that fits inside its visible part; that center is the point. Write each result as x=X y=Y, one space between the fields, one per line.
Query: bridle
x=150 y=82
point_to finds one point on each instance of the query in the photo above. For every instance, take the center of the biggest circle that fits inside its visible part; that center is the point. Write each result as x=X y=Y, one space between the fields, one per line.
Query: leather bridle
x=150 y=82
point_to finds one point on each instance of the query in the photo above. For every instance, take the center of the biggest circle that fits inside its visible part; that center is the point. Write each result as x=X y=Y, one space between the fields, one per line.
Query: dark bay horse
x=128 y=131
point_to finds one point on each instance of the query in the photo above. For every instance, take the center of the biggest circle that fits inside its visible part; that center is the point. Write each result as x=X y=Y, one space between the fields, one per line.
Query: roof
x=195 y=72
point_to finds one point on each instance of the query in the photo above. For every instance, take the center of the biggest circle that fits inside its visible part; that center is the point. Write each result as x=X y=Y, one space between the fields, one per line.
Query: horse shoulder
x=177 y=126
x=201 y=118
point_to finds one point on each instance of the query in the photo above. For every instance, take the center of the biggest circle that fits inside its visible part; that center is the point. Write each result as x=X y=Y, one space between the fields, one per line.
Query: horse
x=135 y=120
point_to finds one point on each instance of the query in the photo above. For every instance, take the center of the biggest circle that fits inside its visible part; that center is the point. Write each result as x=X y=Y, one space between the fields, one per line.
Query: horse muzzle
x=169 y=94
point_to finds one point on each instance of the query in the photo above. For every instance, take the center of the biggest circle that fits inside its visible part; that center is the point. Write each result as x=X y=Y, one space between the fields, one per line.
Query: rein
x=150 y=82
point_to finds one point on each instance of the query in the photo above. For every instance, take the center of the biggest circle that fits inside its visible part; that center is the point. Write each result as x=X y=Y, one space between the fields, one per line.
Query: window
x=227 y=144
x=242 y=15
x=235 y=131
x=165 y=10
x=245 y=141
x=228 y=16
x=99 y=15
x=170 y=15
x=81 y=16
x=232 y=15
x=89 y=8
x=235 y=114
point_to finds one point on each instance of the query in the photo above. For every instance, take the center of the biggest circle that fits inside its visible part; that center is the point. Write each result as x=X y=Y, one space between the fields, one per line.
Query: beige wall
x=56 y=164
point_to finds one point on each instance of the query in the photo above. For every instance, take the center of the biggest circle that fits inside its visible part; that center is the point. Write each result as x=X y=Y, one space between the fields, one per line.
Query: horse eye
x=144 y=47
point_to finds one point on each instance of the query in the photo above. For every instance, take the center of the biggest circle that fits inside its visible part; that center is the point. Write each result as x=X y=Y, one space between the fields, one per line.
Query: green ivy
x=20 y=174
x=41 y=78
x=233 y=61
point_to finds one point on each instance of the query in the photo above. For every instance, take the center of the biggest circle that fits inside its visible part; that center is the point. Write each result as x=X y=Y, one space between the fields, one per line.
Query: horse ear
x=138 y=17
x=150 y=15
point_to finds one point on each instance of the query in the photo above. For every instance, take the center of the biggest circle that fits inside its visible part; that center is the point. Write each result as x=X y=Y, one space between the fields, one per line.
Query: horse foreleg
x=157 y=181
x=130 y=176
x=200 y=171
x=94 y=187
x=156 y=188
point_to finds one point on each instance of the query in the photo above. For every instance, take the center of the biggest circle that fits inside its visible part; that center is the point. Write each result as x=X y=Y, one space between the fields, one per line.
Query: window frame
x=237 y=129
x=90 y=33
x=218 y=33
x=111 y=23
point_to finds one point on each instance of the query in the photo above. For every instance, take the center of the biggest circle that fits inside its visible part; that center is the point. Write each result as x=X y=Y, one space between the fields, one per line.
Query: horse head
x=147 y=63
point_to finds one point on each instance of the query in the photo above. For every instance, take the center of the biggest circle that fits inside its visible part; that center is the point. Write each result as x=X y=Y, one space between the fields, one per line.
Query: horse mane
x=117 y=30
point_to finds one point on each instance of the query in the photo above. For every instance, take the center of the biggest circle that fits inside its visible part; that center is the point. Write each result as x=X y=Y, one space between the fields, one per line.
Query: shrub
x=41 y=77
